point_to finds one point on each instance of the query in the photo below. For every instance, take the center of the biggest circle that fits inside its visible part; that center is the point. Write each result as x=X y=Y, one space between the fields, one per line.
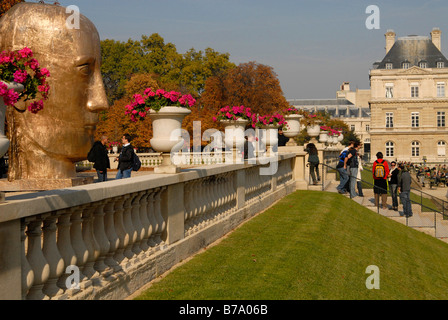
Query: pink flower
x=20 y=76
x=26 y=53
x=35 y=107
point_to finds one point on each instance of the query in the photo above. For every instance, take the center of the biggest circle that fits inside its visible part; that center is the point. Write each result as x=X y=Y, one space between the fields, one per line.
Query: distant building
x=408 y=99
x=352 y=107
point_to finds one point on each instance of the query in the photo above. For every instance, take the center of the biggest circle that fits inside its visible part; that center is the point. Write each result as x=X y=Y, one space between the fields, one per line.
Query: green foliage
x=151 y=55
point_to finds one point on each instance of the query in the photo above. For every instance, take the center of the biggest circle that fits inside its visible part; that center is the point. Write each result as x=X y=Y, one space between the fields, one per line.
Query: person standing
x=100 y=158
x=343 y=174
x=404 y=186
x=313 y=160
x=380 y=172
x=282 y=139
x=393 y=184
x=352 y=163
x=359 y=177
x=125 y=158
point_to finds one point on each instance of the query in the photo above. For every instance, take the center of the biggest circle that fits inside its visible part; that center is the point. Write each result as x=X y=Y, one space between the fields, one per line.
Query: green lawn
x=313 y=245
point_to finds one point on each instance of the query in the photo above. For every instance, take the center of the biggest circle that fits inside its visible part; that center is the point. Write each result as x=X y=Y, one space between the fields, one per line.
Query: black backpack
x=91 y=155
x=136 y=163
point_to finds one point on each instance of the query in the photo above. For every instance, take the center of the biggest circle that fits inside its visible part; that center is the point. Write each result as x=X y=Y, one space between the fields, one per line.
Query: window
x=390 y=149
x=389 y=66
x=440 y=89
x=423 y=64
x=415 y=119
x=414 y=92
x=405 y=65
x=440 y=119
x=352 y=127
x=389 y=119
x=367 y=127
x=441 y=148
x=415 y=149
x=440 y=64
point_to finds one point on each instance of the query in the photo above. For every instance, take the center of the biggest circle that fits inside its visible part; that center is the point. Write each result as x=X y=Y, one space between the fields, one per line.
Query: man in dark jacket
x=404 y=186
x=101 y=158
x=125 y=158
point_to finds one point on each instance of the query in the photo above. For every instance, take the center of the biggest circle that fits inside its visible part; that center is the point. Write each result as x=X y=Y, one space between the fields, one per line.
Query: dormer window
x=405 y=65
x=389 y=66
x=440 y=64
x=423 y=64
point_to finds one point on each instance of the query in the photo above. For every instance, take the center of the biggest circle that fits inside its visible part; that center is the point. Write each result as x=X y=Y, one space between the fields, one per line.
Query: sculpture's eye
x=85 y=69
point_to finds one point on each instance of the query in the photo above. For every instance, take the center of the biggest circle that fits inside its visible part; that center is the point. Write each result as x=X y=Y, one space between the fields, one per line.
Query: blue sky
x=313 y=46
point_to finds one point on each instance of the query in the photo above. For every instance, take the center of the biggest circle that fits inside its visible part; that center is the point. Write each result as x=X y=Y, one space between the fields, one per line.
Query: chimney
x=390 y=39
x=436 y=37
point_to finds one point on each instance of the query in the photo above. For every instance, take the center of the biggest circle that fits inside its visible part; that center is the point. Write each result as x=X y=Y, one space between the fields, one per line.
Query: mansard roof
x=413 y=49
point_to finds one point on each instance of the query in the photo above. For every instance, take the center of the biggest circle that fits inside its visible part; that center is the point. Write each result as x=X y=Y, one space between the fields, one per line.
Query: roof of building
x=339 y=111
x=413 y=49
x=319 y=102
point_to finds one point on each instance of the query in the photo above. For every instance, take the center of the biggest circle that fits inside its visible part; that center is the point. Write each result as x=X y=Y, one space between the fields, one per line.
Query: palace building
x=409 y=104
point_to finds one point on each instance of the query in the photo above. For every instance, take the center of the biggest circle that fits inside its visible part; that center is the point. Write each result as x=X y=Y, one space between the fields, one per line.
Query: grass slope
x=313 y=245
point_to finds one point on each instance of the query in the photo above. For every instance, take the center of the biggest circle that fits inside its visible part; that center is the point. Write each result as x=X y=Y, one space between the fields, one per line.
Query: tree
x=250 y=84
x=5 y=5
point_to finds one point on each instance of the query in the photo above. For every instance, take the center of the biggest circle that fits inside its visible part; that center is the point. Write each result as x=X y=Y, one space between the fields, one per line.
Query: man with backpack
x=380 y=172
x=99 y=156
x=125 y=159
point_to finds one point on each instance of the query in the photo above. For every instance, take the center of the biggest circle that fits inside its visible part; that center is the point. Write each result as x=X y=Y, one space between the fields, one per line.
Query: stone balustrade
x=106 y=240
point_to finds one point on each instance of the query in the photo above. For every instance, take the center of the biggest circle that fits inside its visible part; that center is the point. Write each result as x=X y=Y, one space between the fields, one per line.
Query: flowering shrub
x=234 y=113
x=310 y=119
x=325 y=128
x=21 y=67
x=274 y=119
x=155 y=100
x=292 y=110
x=113 y=144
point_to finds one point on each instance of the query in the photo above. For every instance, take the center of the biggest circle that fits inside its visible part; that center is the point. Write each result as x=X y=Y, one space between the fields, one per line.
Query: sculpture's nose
x=97 y=99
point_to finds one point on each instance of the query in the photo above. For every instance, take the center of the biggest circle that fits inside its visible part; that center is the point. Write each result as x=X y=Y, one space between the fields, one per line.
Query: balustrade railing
x=75 y=242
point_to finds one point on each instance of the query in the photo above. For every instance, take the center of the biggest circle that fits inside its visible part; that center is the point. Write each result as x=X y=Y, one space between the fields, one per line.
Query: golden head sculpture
x=46 y=145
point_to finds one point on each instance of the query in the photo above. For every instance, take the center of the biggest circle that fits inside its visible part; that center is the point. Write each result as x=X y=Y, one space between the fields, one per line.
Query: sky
x=312 y=45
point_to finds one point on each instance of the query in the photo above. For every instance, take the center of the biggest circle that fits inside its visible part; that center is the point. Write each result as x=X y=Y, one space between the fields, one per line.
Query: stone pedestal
x=167 y=166
x=43 y=184
x=2 y=197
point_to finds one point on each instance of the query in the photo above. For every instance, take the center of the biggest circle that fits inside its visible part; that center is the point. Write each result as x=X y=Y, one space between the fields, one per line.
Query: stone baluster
x=136 y=222
x=161 y=224
x=188 y=211
x=91 y=244
x=101 y=238
x=130 y=230
x=144 y=221
x=82 y=254
x=64 y=244
x=36 y=258
x=120 y=229
x=114 y=241
x=152 y=220
x=27 y=272
x=53 y=257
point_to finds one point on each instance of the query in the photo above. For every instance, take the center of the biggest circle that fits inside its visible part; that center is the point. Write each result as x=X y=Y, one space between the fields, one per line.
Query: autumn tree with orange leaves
x=250 y=84
x=5 y=5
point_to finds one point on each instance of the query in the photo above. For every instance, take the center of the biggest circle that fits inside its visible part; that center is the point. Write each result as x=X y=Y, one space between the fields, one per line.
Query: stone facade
x=408 y=100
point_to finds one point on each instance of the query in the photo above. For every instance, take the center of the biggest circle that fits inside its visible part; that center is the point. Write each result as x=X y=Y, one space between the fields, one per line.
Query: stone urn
x=167 y=137
x=313 y=130
x=323 y=136
x=234 y=136
x=292 y=128
x=340 y=137
x=115 y=149
x=270 y=137
x=4 y=142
